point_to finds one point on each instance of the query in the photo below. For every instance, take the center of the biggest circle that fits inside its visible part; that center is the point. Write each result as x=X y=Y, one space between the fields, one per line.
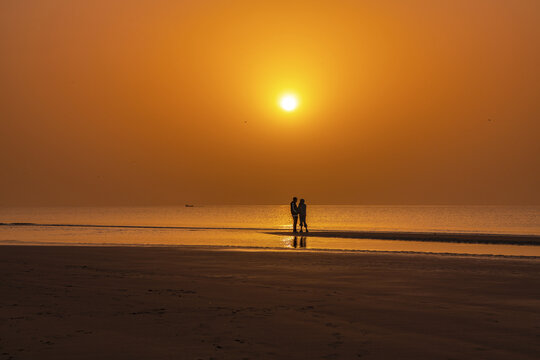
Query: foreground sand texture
x=193 y=303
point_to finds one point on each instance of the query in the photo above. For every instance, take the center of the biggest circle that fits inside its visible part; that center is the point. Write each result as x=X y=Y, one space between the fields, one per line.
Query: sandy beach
x=211 y=303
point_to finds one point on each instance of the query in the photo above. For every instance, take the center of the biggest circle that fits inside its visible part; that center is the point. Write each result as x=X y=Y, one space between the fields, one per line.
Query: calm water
x=245 y=225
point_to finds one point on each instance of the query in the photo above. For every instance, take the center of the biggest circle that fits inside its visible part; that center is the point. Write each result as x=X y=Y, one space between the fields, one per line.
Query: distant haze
x=120 y=102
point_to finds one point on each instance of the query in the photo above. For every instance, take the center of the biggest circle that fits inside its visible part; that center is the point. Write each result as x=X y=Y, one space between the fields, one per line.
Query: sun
x=288 y=102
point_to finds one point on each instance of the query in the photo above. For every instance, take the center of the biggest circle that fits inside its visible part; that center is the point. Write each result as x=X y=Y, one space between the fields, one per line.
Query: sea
x=255 y=226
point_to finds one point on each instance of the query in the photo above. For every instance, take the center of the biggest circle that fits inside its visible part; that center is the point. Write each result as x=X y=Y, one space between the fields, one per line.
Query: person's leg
x=295 y=220
x=305 y=225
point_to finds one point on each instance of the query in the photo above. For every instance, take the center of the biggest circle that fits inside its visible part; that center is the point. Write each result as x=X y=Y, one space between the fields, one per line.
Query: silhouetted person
x=294 y=212
x=302 y=212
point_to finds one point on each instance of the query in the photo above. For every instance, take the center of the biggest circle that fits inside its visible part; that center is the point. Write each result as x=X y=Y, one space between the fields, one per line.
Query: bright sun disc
x=288 y=102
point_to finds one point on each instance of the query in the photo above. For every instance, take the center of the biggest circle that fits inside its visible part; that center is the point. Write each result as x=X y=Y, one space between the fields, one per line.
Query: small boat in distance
x=189 y=205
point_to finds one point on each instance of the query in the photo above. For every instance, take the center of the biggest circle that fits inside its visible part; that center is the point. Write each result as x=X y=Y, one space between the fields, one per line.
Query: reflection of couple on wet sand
x=302 y=242
x=299 y=211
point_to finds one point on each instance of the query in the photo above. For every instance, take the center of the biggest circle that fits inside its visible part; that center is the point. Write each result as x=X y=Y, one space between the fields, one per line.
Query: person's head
x=294 y=199
x=302 y=201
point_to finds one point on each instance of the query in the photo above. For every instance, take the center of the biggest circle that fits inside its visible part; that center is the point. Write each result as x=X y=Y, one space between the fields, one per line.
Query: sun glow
x=288 y=102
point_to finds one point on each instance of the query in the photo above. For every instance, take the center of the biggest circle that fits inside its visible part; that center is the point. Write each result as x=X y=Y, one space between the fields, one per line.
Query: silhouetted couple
x=299 y=211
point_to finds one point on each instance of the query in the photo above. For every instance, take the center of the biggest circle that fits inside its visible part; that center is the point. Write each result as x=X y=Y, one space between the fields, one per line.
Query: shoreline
x=468 y=238
x=431 y=236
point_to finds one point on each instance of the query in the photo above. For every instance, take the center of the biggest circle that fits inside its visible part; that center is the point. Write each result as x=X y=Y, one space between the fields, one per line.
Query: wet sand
x=472 y=238
x=203 y=303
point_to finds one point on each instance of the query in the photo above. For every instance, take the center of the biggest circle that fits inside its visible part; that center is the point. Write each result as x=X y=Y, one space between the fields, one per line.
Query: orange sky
x=123 y=102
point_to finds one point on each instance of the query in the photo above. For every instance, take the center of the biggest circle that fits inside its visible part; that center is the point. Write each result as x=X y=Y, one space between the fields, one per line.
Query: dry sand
x=194 y=303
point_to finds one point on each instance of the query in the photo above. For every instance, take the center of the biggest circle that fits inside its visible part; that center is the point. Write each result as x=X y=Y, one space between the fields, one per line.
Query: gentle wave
x=137 y=226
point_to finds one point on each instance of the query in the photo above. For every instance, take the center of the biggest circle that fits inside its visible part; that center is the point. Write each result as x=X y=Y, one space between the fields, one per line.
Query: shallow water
x=252 y=222
x=485 y=219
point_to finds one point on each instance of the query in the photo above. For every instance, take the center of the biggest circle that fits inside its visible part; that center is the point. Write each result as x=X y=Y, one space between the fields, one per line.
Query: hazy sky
x=162 y=102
